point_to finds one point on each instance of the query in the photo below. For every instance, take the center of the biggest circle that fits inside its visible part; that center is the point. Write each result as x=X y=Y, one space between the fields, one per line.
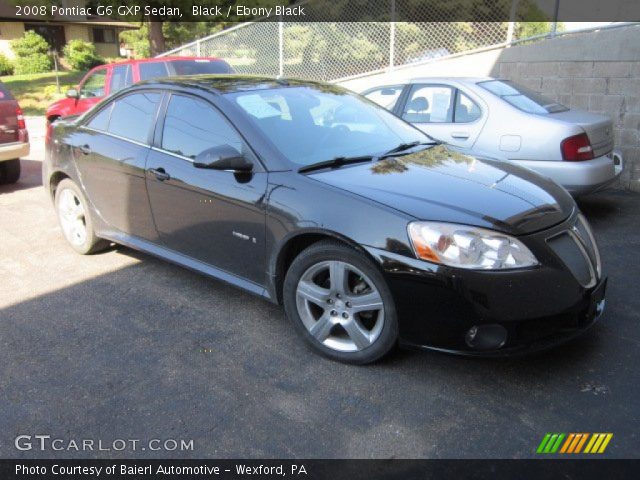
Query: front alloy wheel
x=341 y=302
x=340 y=306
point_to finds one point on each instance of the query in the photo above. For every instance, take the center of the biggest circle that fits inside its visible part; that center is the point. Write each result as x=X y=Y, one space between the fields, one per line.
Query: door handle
x=160 y=174
x=460 y=135
x=85 y=149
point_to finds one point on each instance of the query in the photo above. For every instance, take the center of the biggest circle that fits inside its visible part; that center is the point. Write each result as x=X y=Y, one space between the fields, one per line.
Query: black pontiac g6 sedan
x=369 y=232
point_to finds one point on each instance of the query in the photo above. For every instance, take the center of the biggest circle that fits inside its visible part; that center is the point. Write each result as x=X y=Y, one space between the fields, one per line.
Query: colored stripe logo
x=574 y=443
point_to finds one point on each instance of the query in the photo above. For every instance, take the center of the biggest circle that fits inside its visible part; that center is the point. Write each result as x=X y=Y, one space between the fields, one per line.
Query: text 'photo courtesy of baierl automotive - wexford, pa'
x=319 y=239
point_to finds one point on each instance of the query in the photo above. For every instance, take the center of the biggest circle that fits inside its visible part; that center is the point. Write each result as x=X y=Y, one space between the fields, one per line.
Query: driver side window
x=94 y=84
x=192 y=126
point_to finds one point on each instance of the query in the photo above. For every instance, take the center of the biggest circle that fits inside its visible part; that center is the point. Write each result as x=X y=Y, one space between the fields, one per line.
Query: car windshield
x=522 y=98
x=310 y=124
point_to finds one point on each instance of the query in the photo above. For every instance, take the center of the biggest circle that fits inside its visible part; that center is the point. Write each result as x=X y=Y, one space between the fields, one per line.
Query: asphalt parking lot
x=121 y=345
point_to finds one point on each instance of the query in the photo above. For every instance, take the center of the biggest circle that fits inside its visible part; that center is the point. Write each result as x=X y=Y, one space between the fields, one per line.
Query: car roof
x=225 y=83
x=457 y=79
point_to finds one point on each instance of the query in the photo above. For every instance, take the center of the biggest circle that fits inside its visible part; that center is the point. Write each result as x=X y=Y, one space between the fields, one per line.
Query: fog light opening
x=486 y=337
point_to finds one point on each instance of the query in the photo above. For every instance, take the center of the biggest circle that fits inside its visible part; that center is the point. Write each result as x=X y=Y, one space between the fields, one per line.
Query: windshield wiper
x=405 y=146
x=340 y=161
x=335 y=163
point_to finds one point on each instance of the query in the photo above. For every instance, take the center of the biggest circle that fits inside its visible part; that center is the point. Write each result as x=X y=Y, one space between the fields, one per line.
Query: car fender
x=61 y=108
x=289 y=217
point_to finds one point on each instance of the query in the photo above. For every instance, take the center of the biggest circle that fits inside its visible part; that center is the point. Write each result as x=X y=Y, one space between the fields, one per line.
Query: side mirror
x=387 y=91
x=72 y=93
x=223 y=157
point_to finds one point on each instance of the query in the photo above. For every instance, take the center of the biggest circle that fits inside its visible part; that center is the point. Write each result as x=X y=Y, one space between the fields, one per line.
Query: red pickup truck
x=107 y=79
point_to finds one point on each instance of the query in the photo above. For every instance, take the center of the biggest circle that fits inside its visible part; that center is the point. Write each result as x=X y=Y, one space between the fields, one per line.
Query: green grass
x=35 y=92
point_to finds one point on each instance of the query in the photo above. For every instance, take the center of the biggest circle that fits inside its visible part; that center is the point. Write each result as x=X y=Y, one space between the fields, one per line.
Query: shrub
x=29 y=44
x=52 y=90
x=6 y=67
x=31 y=54
x=81 y=55
x=37 y=63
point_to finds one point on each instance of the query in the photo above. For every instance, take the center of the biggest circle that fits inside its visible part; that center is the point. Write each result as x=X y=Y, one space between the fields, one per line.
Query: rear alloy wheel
x=75 y=219
x=341 y=304
x=10 y=171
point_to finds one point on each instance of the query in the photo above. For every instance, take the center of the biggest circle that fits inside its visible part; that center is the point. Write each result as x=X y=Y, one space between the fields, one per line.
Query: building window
x=104 y=35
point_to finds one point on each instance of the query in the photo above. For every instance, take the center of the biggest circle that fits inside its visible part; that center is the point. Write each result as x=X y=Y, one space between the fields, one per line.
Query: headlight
x=463 y=246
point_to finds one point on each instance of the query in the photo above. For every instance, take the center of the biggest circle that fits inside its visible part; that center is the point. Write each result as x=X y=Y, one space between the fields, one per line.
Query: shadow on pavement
x=30 y=177
x=155 y=351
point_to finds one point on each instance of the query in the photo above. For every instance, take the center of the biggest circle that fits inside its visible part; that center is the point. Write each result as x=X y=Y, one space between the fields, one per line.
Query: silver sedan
x=503 y=120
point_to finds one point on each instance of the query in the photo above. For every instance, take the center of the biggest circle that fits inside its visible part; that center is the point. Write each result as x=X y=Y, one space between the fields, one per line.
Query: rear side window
x=192 y=126
x=198 y=67
x=429 y=104
x=5 y=94
x=133 y=116
x=120 y=78
x=466 y=110
x=522 y=98
x=153 y=70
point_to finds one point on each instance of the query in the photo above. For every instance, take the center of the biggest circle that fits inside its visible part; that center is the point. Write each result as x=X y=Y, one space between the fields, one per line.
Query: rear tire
x=340 y=303
x=74 y=217
x=10 y=171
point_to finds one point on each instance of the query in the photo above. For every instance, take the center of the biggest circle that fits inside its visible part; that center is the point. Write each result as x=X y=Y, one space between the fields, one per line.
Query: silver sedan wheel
x=340 y=306
x=72 y=217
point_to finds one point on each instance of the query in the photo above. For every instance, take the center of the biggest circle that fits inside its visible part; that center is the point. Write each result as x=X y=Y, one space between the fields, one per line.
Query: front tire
x=75 y=219
x=340 y=303
x=10 y=171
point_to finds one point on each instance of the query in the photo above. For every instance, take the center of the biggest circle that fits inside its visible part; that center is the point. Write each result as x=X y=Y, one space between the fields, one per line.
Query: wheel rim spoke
x=72 y=217
x=338 y=277
x=322 y=328
x=357 y=333
x=78 y=211
x=79 y=231
x=312 y=292
x=367 y=302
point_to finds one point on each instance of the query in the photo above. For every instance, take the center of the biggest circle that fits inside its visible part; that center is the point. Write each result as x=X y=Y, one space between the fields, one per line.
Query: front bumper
x=11 y=151
x=536 y=308
x=580 y=178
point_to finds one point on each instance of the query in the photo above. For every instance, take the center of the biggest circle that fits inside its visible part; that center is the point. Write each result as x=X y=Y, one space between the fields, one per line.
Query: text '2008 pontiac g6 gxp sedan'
x=369 y=232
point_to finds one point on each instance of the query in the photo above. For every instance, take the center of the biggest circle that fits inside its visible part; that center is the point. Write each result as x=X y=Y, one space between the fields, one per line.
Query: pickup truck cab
x=107 y=79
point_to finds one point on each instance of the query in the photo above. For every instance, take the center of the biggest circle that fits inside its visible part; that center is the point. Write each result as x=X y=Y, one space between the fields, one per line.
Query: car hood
x=442 y=184
x=57 y=105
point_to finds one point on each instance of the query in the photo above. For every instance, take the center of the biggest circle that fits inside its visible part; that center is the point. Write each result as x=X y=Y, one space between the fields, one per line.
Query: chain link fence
x=332 y=51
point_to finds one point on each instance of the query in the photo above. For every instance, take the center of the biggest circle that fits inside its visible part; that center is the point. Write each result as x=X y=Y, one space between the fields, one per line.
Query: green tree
x=161 y=37
x=137 y=40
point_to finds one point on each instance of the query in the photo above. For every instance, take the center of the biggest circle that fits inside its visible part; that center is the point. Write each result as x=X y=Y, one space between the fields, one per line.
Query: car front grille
x=577 y=249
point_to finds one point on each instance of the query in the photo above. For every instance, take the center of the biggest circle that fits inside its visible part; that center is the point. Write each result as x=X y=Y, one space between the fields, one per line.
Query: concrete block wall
x=605 y=81
x=595 y=71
